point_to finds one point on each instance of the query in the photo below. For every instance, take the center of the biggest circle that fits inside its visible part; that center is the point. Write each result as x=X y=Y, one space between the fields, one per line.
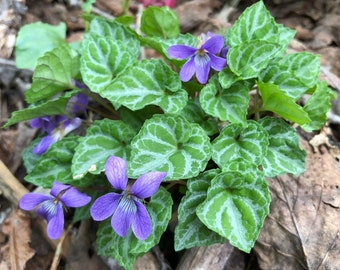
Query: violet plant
x=214 y=139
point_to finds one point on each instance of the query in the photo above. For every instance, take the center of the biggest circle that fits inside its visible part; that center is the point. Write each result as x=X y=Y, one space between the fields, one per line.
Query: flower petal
x=44 y=144
x=48 y=209
x=74 y=198
x=115 y=170
x=187 y=70
x=123 y=216
x=71 y=124
x=31 y=200
x=213 y=44
x=181 y=51
x=55 y=225
x=141 y=223
x=57 y=188
x=202 y=65
x=216 y=62
x=147 y=184
x=105 y=206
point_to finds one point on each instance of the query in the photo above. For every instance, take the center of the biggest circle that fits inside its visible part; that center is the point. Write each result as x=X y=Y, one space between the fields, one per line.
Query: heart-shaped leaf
x=169 y=144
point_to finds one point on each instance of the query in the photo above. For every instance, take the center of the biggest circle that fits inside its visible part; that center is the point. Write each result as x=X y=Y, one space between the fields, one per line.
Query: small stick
x=10 y=187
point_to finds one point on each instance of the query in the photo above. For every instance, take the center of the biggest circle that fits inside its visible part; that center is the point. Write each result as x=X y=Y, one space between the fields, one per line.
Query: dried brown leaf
x=302 y=230
x=16 y=252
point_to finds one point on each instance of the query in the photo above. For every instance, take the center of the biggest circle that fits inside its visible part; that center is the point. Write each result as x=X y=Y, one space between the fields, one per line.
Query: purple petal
x=123 y=216
x=44 y=144
x=37 y=122
x=48 y=209
x=115 y=170
x=187 y=70
x=213 y=44
x=217 y=63
x=224 y=51
x=105 y=206
x=57 y=188
x=70 y=125
x=202 y=64
x=55 y=225
x=141 y=223
x=147 y=184
x=181 y=51
x=31 y=200
x=74 y=198
x=78 y=103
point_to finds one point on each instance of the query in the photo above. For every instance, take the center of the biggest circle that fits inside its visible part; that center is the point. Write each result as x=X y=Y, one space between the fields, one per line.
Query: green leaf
x=115 y=31
x=236 y=141
x=256 y=23
x=318 y=105
x=160 y=210
x=277 y=101
x=103 y=138
x=227 y=78
x=294 y=73
x=103 y=58
x=190 y=231
x=145 y=83
x=126 y=249
x=249 y=58
x=236 y=206
x=55 y=164
x=193 y=112
x=110 y=244
x=226 y=104
x=284 y=154
x=137 y=118
x=28 y=50
x=51 y=107
x=170 y=144
x=30 y=159
x=162 y=45
x=54 y=73
x=160 y=22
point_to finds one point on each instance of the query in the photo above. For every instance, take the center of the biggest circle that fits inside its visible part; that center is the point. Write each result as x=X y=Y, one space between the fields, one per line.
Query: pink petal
x=115 y=170
x=147 y=184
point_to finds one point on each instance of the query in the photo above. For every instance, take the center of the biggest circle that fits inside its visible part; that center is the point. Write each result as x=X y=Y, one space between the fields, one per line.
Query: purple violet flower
x=60 y=130
x=58 y=126
x=201 y=59
x=126 y=207
x=51 y=207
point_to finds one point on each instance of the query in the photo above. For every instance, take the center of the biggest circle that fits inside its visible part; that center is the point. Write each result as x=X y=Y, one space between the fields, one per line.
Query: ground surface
x=302 y=231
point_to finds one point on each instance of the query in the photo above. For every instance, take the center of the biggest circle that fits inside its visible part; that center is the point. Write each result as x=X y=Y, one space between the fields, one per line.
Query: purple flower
x=126 y=207
x=201 y=59
x=59 y=130
x=77 y=104
x=51 y=207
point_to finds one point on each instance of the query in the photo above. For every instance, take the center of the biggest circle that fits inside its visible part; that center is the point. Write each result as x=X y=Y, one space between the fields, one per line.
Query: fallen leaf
x=16 y=252
x=302 y=230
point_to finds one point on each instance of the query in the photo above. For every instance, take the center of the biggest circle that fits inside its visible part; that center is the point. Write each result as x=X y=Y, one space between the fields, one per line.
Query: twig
x=11 y=188
x=59 y=250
